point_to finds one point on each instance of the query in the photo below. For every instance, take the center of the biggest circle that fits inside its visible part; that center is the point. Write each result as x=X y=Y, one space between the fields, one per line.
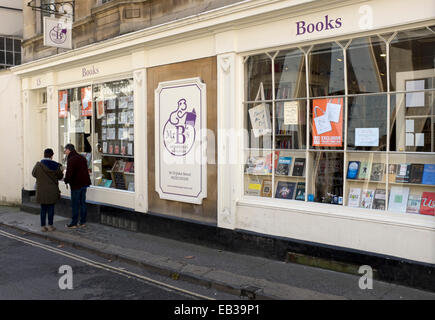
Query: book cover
x=416 y=173
x=352 y=169
x=398 y=199
x=364 y=170
x=299 y=167
x=285 y=190
x=128 y=166
x=377 y=173
x=414 y=202
x=268 y=161
x=392 y=172
x=403 y=171
x=108 y=183
x=132 y=168
x=379 y=200
x=427 y=205
x=266 y=188
x=116 y=148
x=260 y=166
x=429 y=174
x=253 y=188
x=110 y=148
x=367 y=197
x=354 y=197
x=121 y=167
x=300 y=191
x=283 y=167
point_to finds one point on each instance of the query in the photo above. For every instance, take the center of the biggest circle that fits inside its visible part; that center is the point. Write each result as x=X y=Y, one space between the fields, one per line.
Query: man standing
x=77 y=176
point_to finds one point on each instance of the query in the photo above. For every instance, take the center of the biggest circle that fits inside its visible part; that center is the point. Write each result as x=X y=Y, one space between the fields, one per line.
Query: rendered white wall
x=11 y=160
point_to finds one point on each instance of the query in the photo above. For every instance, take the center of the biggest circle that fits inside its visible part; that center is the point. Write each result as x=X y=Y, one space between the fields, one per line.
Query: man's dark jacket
x=77 y=175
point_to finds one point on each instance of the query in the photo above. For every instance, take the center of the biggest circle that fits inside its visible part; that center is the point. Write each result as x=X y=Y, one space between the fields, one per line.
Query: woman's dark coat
x=47 y=174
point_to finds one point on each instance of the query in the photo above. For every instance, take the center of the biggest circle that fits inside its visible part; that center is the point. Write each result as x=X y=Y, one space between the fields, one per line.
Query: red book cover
x=116 y=149
x=268 y=162
x=427 y=205
x=128 y=166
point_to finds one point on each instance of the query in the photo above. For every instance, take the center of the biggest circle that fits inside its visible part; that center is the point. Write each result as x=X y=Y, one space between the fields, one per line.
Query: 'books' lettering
x=326 y=24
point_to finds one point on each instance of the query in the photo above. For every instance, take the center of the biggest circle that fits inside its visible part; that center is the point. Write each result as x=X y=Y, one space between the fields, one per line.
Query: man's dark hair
x=48 y=153
x=70 y=147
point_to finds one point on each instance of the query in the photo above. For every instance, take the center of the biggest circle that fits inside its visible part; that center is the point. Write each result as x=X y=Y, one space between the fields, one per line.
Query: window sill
x=408 y=220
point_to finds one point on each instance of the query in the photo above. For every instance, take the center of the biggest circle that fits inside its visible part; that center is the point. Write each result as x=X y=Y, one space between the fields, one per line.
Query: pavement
x=242 y=275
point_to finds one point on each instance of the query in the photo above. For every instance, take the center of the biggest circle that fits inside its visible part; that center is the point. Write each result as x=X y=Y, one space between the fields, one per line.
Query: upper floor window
x=10 y=52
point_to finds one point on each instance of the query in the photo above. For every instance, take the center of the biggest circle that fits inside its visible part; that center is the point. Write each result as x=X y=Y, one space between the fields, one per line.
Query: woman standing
x=47 y=173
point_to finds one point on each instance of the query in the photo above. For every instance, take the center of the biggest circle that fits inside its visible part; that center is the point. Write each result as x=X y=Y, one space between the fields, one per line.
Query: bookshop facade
x=318 y=121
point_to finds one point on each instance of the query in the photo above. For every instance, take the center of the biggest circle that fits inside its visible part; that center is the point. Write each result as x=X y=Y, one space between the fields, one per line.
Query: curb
x=252 y=293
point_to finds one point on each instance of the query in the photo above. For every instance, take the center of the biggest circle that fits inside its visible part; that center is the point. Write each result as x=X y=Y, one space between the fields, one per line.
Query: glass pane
x=114 y=131
x=367 y=123
x=75 y=121
x=9 y=58
x=326 y=65
x=326 y=123
x=258 y=173
x=2 y=57
x=259 y=125
x=366 y=66
x=17 y=58
x=9 y=44
x=326 y=177
x=290 y=124
x=412 y=184
x=2 y=43
x=412 y=55
x=290 y=75
x=290 y=175
x=412 y=121
x=259 y=78
x=365 y=180
x=17 y=45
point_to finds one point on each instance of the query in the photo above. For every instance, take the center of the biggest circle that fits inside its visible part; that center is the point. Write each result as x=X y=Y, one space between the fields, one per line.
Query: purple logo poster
x=180 y=134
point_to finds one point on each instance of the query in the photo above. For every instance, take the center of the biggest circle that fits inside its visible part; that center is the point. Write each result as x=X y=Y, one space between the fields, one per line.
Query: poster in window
x=328 y=122
x=86 y=110
x=100 y=109
x=63 y=104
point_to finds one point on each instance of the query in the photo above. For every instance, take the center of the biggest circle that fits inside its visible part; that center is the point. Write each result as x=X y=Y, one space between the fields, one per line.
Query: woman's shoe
x=51 y=228
x=44 y=229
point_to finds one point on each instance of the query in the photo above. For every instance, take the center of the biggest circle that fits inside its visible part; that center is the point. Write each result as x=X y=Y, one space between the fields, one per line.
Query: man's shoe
x=51 y=228
x=82 y=225
x=71 y=226
x=44 y=229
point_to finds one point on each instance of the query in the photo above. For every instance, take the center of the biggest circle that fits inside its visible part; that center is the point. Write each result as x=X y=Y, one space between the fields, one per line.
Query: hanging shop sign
x=180 y=140
x=328 y=122
x=58 y=33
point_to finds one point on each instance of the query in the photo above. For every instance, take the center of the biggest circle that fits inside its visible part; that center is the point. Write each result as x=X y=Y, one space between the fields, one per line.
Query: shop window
x=367 y=65
x=370 y=144
x=99 y=121
x=325 y=183
x=326 y=76
x=114 y=131
x=411 y=57
x=367 y=122
x=365 y=185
